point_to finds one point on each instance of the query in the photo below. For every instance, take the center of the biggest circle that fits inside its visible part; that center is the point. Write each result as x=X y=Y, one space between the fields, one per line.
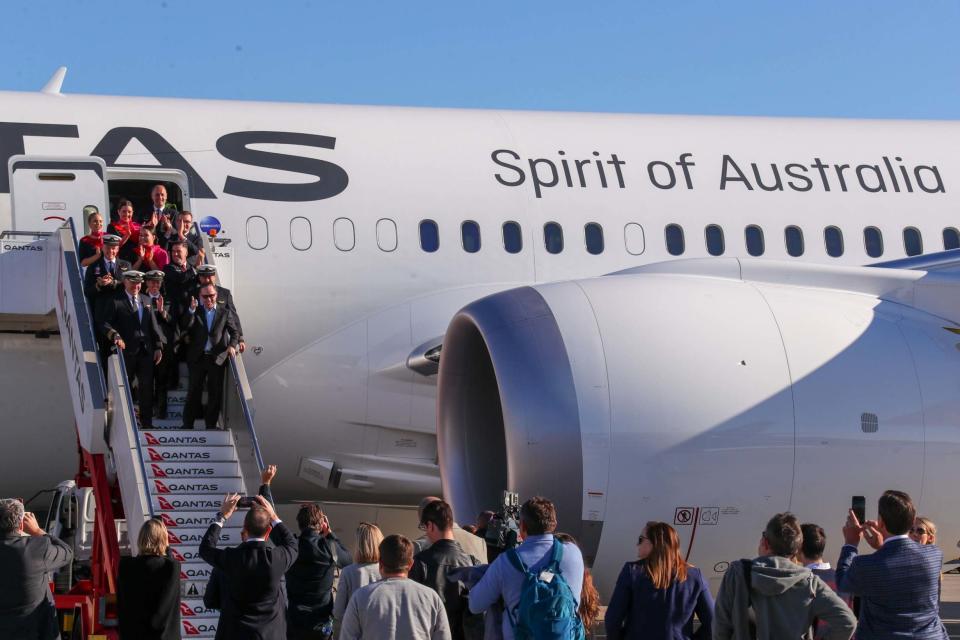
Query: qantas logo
x=183 y=521
x=194 y=611
x=328 y=180
x=149 y=437
x=189 y=629
x=194 y=504
x=156 y=441
x=166 y=472
x=194 y=573
x=175 y=456
x=166 y=506
x=187 y=487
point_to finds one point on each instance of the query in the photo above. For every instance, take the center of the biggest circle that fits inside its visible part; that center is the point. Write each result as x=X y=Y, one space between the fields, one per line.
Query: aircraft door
x=46 y=190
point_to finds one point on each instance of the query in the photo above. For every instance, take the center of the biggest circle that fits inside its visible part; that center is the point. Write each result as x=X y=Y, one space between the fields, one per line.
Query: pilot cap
x=135 y=276
x=111 y=239
x=206 y=270
x=89 y=210
x=155 y=274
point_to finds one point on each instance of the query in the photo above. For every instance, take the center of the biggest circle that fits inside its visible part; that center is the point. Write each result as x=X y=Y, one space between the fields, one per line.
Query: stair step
x=187 y=502
x=195 y=571
x=192 y=470
x=208 y=453
x=192 y=537
x=182 y=486
x=194 y=608
x=176 y=397
x=185 y=553
x=171 y=423
x=175 y=520
x=198 y=628
x=186 y=437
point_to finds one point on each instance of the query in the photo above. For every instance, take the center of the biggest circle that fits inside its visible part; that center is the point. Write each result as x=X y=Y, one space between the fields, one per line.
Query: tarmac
x=949 y=607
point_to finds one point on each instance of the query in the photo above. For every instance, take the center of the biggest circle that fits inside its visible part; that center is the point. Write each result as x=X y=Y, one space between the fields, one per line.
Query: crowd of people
x=153 y=297
x=277 y=585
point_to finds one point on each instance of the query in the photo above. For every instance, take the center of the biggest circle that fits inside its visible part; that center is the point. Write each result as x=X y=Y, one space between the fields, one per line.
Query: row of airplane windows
x=344 y=237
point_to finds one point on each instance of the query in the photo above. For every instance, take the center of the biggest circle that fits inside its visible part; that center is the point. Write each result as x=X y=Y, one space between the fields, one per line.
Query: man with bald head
x=470 y=543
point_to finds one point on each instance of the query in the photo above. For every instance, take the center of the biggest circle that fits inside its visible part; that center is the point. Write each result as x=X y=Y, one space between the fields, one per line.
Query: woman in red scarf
x=149 y=255
x=128 y=230
x=91 y=244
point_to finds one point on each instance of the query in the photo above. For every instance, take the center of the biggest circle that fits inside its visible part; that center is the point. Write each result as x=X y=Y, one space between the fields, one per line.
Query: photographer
x=470 y=542
x=27 y=556
x=310 y=579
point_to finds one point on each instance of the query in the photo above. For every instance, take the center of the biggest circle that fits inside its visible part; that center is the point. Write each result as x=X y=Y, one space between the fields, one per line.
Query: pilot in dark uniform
x=207 y=274
x=129 y=322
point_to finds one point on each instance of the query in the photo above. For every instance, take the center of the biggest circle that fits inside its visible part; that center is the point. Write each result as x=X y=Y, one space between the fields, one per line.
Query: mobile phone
x=859 y=506
x=246 y=503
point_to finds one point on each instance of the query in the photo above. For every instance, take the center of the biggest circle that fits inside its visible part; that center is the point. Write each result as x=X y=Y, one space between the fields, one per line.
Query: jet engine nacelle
x=704 y=399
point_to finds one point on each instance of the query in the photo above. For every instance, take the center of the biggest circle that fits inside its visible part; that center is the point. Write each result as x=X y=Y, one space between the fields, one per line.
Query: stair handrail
x=128 y=401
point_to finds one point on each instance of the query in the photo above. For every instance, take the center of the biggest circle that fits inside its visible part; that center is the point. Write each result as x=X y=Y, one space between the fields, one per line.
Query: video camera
x=503 y=531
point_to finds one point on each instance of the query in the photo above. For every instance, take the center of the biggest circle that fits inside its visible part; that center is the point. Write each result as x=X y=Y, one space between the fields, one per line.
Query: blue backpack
x=547 y=609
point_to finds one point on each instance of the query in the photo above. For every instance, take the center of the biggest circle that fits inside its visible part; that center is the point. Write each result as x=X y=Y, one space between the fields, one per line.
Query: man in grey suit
x=27 y=556
x=899 y=584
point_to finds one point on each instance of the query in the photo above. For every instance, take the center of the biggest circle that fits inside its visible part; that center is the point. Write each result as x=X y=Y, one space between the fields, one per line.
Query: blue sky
x=844 y=58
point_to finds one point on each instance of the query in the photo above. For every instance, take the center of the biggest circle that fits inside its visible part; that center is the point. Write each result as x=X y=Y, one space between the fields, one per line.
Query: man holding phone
x=899 y=584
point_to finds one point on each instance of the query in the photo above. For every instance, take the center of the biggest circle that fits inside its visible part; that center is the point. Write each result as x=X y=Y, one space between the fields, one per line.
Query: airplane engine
x=704 y=400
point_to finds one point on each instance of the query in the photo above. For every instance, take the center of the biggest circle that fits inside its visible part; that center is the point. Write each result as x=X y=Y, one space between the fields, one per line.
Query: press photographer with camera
x=27 y=556
x=470 y=543
x=310 y=580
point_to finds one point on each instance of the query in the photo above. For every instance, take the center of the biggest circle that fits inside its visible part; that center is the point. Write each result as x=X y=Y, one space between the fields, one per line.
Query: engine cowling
x=703 y=397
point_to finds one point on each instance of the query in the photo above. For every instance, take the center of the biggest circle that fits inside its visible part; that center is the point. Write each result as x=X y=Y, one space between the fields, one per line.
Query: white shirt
x=817 y=565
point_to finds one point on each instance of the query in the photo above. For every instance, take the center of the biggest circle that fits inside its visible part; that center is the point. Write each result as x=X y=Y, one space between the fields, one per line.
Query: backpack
x=547 y=609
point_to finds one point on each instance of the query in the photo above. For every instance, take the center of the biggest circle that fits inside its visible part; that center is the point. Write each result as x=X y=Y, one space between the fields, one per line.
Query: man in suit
x=179 y=279
x=899 y=584
x=129 y=322
x=158 y=216
x=167 y=374
x=253 y=605
x=211 y=334
x=27 y=556
x=207 y=274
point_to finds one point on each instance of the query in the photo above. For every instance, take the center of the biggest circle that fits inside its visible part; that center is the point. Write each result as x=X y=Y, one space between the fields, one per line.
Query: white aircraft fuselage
x=324 y=204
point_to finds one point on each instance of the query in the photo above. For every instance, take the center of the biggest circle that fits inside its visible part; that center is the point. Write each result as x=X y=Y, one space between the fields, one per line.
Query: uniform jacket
x=118 y=317
x=899 y=589
x=26 y=606
x=194 y=329
x=148 y=598
x=99 y=269
x=169 y=327
x=639 y=610
x=178 y=285
x=252 y=606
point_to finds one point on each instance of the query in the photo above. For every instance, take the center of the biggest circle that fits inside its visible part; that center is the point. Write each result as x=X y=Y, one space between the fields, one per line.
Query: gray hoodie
x=786 y=598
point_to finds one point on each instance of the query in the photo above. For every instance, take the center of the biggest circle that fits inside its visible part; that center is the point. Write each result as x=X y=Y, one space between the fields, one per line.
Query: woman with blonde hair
x=657 y=596
x=923 y=531
x=364 y=570
x=148 y=590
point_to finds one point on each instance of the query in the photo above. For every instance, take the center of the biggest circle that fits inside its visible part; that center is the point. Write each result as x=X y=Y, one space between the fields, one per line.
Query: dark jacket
x=638 y=610
x=252 y=605
x=224 y=296
x=26 y=606
x=310 y=579
x=178 y=285
x=899 y=589
x=169 y=327
x=97 y=270
x=117 y=317
x=148 y=598
x=194 y=329
x=430 y=568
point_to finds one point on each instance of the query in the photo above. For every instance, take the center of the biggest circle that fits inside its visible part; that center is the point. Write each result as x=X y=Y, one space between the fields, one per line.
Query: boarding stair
x=167 y=472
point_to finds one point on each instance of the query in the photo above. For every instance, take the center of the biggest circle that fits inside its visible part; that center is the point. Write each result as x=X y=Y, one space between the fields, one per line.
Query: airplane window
x=512 y=237
x=754 y=237
x=429 y=236
x=714 y=235
x=386 y=234
x=675 y=244
x=833 y=239
x=344 y=235
x=873 y=242
x=793 y=236
x=633 y=238
x=258 y=235
x=301 y=233
x=912 y=243
x=951 y=238
x=553 y=237
x=470 y=235
x=593 y=235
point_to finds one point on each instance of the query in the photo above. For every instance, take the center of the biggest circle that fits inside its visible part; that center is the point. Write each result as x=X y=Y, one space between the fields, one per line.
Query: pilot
x=128 y=322
x=207 y=274
x=103 y=278
x=166 y=375
x=180 y=279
